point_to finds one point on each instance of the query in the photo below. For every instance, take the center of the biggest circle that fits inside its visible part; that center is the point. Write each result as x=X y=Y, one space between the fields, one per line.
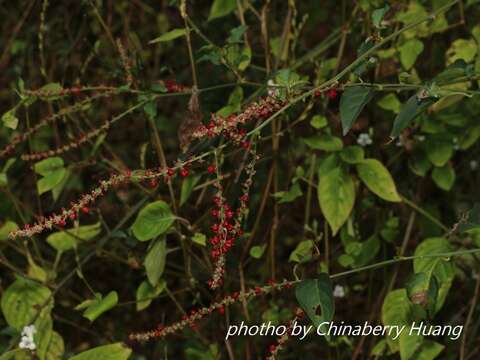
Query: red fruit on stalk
x=85 y=210
x=332 y=94
x=153 y=183
x=211 y=169
x=184 y=172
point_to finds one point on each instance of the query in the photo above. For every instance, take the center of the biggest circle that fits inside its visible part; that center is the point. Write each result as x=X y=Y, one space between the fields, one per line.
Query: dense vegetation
x=171 y=168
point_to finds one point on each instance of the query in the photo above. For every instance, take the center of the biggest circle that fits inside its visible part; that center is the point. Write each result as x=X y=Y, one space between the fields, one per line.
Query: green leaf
x=236 y=34
x=390 y=102
x=10 y=120
x=318 y=121
x=324 y=142
x=171 y=35
x=378 y=14
x=444 y=177
x=63 y=240
x=409 y=52
x=352 y=103
x=336 y=195
x=409 y=344
x=289 y=196
x=153 y=220
x=412 y=108
x=54 y=88
x=20 y=302
x=257 y=251
x=462 y=49
x=199 y=239
x=315 y=297
x=429 y=350
x=187 y=187
x=100 y=305
x=6 y=229
x=146 y=293
x=377 y=179
x=352 y=154
x=302 y=252
x=53 y=172
x=155 y=261
x=396 y=310
x=422 y=289
x=439 y=151
x=221 y=8
x=440 y=267
x=117 y=351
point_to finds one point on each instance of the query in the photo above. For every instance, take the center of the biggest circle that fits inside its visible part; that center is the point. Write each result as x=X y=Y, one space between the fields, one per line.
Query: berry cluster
x=76 y=90
x=173 y=87
x=274 y=349
x=67 y=147
x=228 y=126
x=126 y=63
x=195 y=315
x=227 y=227
x=78 y=107
x=81 y=205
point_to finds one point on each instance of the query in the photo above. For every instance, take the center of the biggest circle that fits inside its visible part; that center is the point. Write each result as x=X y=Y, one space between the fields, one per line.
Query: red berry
x=72 y=216
x=62 y=222
x=245 y=145
x=272 y=348
x=215 y=228
x=214 y=240
x=184 y=172
x=332 y=94
x=153 y=183
x=211 y=169
x=215 y=213
x=221 y=310
x=170 y=172
x=85 y=210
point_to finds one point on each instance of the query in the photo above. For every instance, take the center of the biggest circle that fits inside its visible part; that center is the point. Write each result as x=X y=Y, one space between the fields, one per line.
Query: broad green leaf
x=377 y=179
x=397 y=310
x=409 y=51
x=63 y=240
x=153 y=220
x=419 y=163
x=324 y=142
x=117 y=351
x=315 y=297
x=155 y=261
x=336 y=195
x=290 y=195
x=390 y=102
x=53 y=172
x=199 y=239
x=34 y=271
x=429 y=350
x=55 y=347
x=52 y=88
x=100 y=305
x=441 y=268
x=221 y=8
x=439 y=151
x=6 y=229
x=462 y=49
x=257 y=251
x=378 y=14
x=20 y=301
x=412 y=108
x=318 y=121
x=352 y=154
x=422 y=289
x=409 y=344
x=187 y=187
x=303 y=252
x=146 y=293
x=444 y=177
x=169 y=36
x=352 y=102
x=10 y=120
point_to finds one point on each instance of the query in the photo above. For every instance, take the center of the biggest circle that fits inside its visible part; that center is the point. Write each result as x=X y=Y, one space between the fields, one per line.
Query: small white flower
x=421 y=138
x=272 y=91
x=473 y=165
x=29 y=331
x=399 y=143
x=364 y=139
x=27 y=343
x=339 y=291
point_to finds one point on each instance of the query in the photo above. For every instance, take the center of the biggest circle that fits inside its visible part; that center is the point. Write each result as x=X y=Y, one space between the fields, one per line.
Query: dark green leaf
x=352 y=102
